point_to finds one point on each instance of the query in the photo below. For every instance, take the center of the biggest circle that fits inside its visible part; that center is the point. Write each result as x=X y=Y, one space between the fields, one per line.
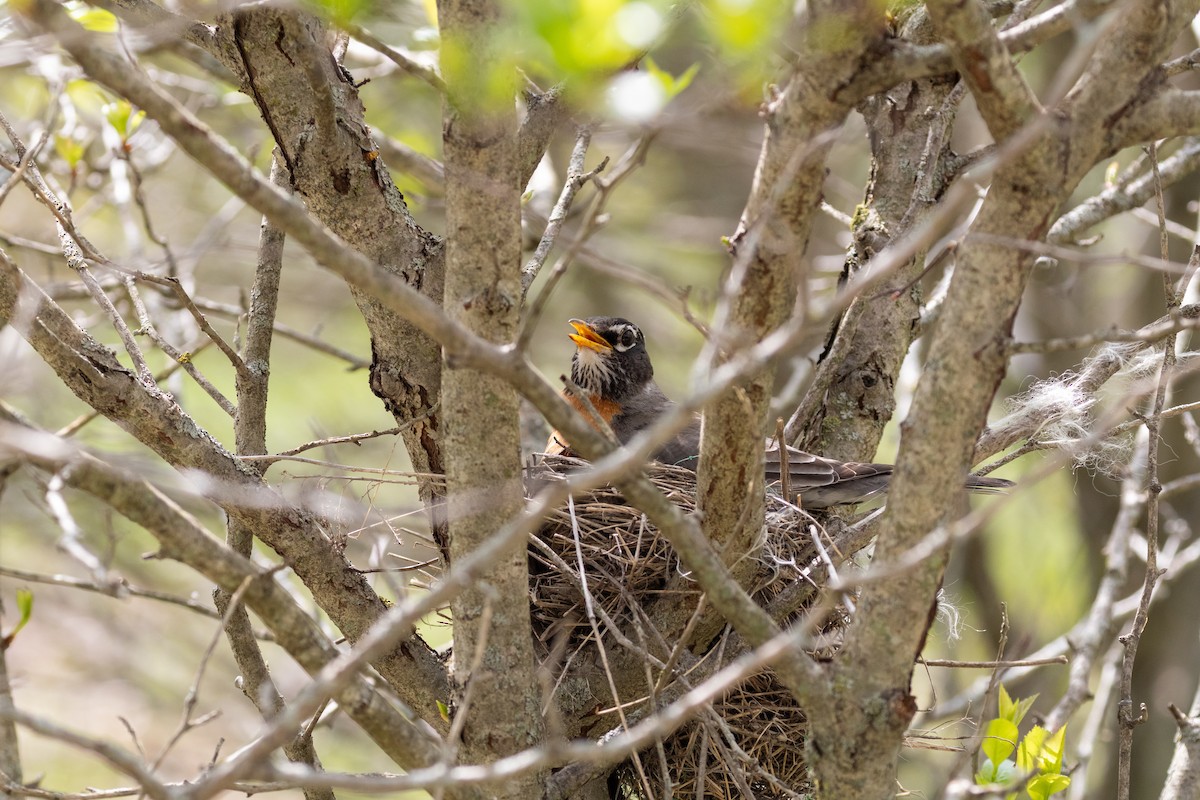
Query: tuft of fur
x=1066 y=408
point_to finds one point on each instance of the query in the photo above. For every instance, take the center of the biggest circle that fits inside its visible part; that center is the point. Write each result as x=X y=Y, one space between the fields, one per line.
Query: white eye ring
x=627 y=338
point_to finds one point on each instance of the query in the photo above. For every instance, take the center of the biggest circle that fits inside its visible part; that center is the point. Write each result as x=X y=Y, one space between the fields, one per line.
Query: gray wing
x=824 y=482
x=642 y=410
x=819 y=482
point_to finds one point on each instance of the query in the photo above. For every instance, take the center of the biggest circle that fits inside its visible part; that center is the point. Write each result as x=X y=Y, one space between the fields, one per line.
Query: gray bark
x=498 y=700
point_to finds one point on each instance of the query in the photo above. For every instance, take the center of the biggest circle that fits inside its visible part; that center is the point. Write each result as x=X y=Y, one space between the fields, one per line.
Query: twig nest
x=751 y=744
x=626 y=560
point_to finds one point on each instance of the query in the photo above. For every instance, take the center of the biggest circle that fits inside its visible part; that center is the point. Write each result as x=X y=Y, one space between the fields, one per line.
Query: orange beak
x=586 y=336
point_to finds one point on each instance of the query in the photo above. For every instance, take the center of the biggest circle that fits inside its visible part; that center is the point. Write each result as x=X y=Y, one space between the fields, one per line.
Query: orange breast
x=607 y=409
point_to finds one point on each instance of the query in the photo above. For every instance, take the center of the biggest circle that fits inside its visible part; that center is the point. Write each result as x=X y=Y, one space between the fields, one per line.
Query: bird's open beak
x=585 y=336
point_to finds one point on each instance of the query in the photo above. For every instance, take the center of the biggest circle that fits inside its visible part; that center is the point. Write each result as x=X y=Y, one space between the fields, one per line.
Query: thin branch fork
x=1181 y=319
x=1067 y=254
x=115 y=757
x=576 y=178
x=43 y=193
x=288 y=332
x=76 y=262
x=593 y=219
x=392 y=728
x=148 y=328
x=122 y=587
x=77 y=248
x=176 y=288
x=1127 y=718
x=400 y=58
x=1131 y=190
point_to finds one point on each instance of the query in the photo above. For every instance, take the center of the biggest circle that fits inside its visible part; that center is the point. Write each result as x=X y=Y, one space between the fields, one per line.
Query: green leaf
x=744 y=26
x=584 y=41
x=1005 y=706
x=671 y=85
x=747 y=35
x=999 y=774
x=123 y=118
x=93 y=19
x=1051 y=757
x=1014 y=710
x=1023 y=707
x=1042 y=786
x=24 y=609
x=89 y=98
x=342 y=11
x=443 y=710
x=24 y=613
x=69 y=149
x=995 y=773
x=1031 y=748
x=999 y=740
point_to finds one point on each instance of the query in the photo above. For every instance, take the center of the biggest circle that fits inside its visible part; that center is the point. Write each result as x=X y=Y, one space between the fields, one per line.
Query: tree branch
x=153 y=417
x=759 y=291
x=1183 y=774
x=1004 y=99
x=185 y=540
x=481 y=435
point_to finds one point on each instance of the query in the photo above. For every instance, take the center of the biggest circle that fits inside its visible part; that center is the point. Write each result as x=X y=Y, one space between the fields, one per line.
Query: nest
x=751 y=743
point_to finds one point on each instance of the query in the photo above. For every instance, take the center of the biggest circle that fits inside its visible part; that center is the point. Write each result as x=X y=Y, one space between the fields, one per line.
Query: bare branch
x=1181 y=319
x=998 y=664
x=1127 y=718
x=187 y=722
x=182 y=537
x=93 y=373
x=174 y=286
x=1183 y=775
x=633 y=158
x=71 y=540
x=288 y=332
x=576 y=178
x=401 y=59
x=10 y=752
x=148 y=328
x=1004 y=99
x=109 y=590
x=120 y=760
x=1131 y=192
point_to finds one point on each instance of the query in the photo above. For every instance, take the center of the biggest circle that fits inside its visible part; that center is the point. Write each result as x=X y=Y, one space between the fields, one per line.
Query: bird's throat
x=593 y=371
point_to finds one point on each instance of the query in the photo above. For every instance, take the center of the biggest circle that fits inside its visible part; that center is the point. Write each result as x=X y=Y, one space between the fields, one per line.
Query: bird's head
x=610 y=358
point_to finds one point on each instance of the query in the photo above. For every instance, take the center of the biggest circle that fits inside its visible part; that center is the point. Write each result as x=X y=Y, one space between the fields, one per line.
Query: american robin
x=612 y=367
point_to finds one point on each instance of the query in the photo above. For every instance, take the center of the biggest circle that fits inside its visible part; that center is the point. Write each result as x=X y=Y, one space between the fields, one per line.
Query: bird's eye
x=627 y=338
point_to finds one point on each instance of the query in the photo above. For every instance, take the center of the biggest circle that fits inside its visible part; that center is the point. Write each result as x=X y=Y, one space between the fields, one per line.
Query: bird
x=612 y=369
